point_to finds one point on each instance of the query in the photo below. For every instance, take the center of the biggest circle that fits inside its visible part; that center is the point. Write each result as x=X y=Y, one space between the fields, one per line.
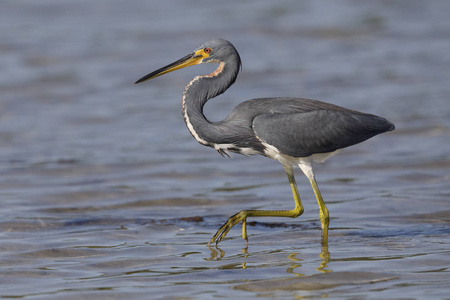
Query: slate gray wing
x=317 y=131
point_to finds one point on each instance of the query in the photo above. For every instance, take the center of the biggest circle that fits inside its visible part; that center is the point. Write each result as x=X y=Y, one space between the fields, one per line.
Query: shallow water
x=104 y=193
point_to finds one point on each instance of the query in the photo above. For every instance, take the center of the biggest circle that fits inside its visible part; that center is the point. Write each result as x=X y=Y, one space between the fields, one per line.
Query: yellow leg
x=324 y=215
x=244 y=232
x=242 y=215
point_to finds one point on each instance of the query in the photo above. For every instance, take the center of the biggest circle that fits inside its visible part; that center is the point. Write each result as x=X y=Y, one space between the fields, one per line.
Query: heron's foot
x=225 y=228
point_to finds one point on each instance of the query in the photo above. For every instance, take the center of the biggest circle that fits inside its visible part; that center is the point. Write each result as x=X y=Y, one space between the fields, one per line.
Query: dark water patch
x=317 y=282
x=58 y=253
x=417 y=231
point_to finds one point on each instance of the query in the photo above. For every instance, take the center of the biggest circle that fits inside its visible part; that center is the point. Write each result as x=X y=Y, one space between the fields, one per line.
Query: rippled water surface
x=104 y=193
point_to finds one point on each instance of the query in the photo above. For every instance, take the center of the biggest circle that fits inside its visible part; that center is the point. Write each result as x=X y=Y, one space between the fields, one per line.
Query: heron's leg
x=244 y=232
x=242 y=215
x=324 y=215
x=305 y=166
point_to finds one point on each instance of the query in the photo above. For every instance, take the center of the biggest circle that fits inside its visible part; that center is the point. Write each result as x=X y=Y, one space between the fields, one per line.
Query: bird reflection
x=217 y=254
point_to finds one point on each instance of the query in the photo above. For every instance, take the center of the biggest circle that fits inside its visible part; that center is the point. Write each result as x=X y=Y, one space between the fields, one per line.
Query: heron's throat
x=217 y=71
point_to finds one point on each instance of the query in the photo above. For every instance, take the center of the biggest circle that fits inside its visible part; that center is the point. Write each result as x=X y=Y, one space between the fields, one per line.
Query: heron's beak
x=187 y=61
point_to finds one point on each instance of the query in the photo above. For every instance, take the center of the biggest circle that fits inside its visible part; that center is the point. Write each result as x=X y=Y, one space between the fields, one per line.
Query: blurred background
x=104 y=193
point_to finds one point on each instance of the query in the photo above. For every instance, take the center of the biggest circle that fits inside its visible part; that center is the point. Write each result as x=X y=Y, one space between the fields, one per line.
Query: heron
x=293 y=131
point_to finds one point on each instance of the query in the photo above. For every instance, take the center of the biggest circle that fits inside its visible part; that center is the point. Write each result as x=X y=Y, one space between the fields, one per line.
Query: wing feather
x=317 y=131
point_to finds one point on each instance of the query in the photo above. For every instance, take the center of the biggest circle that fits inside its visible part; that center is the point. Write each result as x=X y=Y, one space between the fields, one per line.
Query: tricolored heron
x=294 y=131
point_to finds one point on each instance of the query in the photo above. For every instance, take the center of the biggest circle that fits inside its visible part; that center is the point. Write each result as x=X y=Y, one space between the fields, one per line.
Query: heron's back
x=301 y=127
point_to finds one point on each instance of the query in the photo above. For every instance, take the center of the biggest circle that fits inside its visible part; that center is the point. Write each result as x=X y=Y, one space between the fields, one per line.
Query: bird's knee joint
x=325 y=219
x=298 y=211
x=301 y=210
x=240 y=216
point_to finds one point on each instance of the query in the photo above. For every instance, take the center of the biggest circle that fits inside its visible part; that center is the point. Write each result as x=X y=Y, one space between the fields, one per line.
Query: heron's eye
x=207 y=50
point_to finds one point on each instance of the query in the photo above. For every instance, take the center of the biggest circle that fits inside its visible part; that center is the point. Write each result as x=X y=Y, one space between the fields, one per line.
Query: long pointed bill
x=189 y=60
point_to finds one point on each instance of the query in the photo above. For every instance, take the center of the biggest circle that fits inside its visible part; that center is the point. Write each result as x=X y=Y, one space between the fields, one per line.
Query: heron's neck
x=197 y=93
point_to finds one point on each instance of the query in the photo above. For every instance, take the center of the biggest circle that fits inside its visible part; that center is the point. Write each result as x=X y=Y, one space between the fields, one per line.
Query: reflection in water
x=295 y=265
x=217 y=254
x=325 y=255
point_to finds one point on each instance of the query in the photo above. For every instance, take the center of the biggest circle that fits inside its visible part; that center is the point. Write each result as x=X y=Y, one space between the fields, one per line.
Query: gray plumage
x=295 y=126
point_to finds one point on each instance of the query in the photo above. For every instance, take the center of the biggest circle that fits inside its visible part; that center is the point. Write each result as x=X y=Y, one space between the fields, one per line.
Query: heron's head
x=212 y=51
